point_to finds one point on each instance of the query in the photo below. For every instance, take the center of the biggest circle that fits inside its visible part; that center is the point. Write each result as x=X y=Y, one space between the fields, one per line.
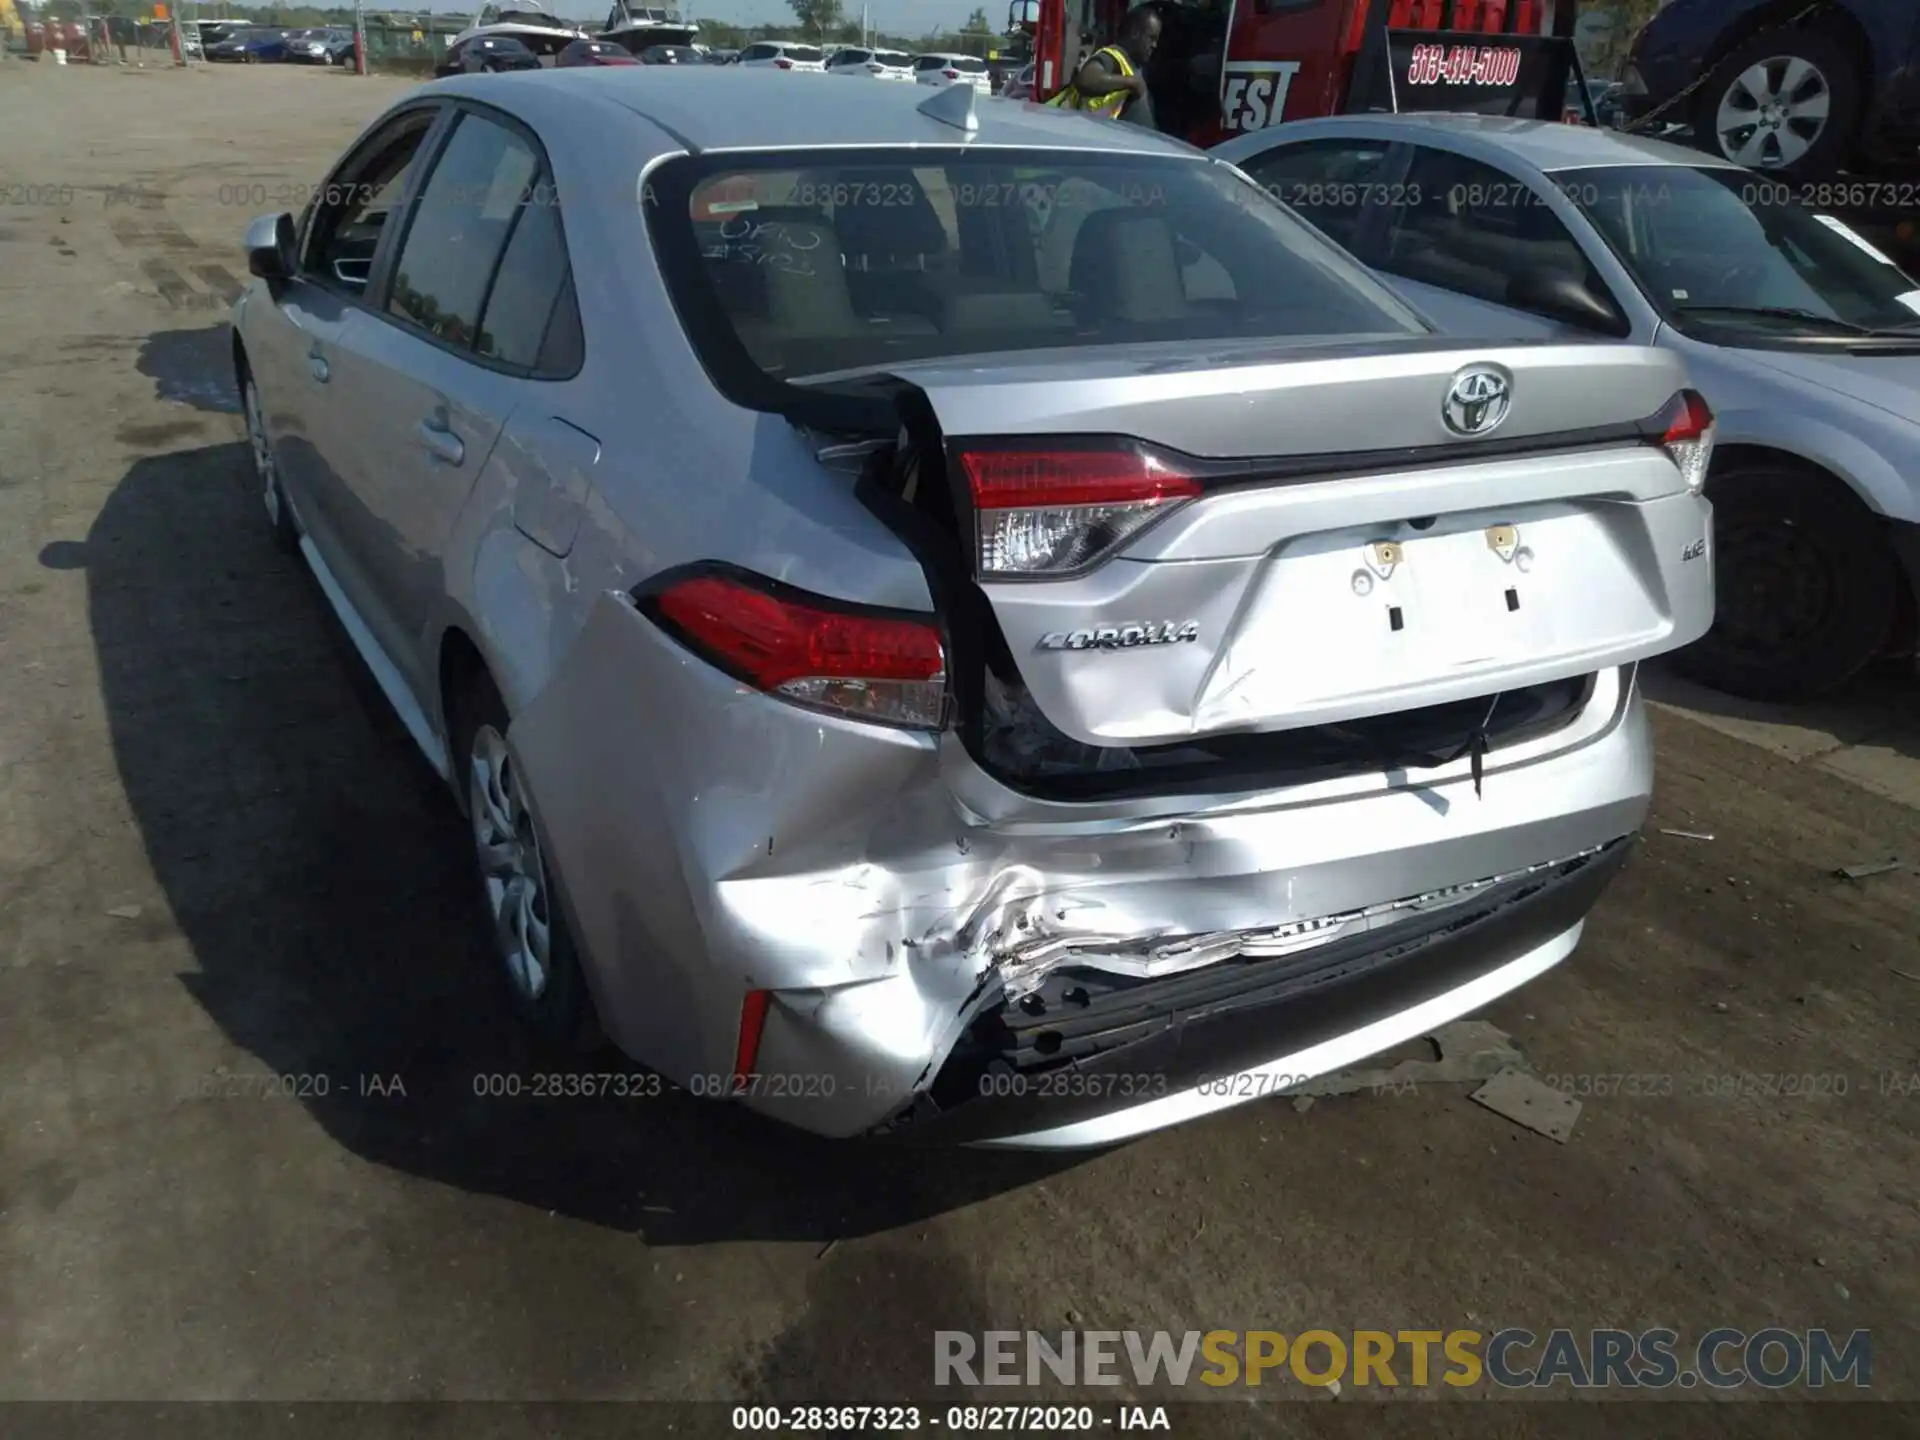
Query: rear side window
x=460 y=227
x=1331 y=182
x=529 y=286
x=783 y=273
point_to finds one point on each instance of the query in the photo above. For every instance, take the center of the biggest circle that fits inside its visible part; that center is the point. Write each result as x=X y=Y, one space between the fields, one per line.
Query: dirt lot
x=219 y=860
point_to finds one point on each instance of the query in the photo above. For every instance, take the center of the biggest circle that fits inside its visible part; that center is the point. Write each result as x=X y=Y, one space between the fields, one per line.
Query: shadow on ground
x=192 y=367
x=1878 y=707
x=320 y=874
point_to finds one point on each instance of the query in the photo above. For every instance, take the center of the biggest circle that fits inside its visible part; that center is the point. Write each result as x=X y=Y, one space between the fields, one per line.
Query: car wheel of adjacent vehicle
x=1787 y=100
x=266 y=474
x=1806 y=586
x=530 y=937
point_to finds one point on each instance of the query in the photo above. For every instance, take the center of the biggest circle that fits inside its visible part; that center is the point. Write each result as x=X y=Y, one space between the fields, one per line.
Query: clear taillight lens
x=1686 y=433
x=854 y=661
x=1046 y=510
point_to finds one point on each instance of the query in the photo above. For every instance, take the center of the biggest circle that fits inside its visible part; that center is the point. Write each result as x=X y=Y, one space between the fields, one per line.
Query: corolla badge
x=1478 y=401
x=1129 y=636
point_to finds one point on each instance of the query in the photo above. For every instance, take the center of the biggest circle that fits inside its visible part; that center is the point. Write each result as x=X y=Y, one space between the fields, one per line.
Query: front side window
x=351 y=211
x=1467 y=227
x=1331 y=182
x=460 y=227
x=1723 y=248
x=895 y=255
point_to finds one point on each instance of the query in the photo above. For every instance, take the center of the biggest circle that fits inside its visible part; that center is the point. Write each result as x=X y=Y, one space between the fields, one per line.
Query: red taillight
x=753 y=1024
x=1684 y=429
x=951 y=74
x=783 y=64
x=1051 y=511
x=1688 y=417
x=853 y=661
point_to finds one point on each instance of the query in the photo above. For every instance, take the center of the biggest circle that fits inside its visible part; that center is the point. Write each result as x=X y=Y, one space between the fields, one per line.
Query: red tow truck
x=1228 y=66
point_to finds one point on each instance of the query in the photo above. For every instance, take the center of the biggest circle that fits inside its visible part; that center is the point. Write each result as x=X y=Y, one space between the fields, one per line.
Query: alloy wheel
x=263 y=467
x=511 y=869
x=1773 y=113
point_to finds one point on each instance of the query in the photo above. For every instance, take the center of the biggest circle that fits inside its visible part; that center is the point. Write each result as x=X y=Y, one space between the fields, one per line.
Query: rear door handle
x=443 y=444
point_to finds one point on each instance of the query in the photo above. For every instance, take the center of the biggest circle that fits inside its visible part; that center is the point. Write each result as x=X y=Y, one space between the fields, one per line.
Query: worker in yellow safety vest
x=1112 y=77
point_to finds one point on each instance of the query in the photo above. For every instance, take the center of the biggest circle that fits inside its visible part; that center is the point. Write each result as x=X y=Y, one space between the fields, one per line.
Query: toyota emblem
x=1479 y=400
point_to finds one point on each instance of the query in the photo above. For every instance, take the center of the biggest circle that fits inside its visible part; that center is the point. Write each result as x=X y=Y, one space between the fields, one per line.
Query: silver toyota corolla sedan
x=955 y=618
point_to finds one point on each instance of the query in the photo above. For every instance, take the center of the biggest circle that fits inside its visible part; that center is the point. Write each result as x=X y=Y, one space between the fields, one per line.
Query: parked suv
x=783 y=55
x=879 y=64
x=953 y=70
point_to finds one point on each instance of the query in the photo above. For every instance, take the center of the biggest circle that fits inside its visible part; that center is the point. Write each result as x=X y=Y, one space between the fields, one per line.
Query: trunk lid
x=1340 y=549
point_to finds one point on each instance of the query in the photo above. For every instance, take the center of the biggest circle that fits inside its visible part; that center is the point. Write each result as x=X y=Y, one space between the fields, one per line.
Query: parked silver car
x=1804 y=337
x=971 y=621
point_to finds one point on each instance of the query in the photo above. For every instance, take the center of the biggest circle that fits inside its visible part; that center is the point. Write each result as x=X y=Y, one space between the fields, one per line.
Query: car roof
x=1543 y=144
x=706 y=109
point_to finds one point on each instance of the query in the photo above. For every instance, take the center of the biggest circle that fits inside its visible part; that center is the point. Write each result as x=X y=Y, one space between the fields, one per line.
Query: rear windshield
x=783 y=272
x=893 y=58
x=967 y=65
x=802 y=52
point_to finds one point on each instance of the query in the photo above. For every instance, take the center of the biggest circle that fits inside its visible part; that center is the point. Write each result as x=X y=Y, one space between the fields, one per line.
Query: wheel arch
x=460 y=664
x=1899 y=534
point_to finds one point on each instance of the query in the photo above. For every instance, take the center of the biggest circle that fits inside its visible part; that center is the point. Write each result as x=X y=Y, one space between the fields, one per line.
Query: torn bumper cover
x=1092 y=1069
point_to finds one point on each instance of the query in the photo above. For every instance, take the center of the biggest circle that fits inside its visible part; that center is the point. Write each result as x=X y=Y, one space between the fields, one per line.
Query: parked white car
x=952 y=70
x=783 y=55
x=877 y=64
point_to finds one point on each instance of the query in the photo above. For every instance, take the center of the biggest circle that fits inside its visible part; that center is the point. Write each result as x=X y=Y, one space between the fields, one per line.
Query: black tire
x=1807 y=586
x=1839 y=73
x=561 y=1017
x=286 y=534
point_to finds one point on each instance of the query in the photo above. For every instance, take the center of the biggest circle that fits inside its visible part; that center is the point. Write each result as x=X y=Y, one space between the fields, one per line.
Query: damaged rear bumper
x=1275 y=1024
x=894 y=899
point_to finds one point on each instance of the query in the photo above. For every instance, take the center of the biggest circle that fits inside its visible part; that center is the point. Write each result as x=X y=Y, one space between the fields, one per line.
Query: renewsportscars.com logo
x=1510 y=1359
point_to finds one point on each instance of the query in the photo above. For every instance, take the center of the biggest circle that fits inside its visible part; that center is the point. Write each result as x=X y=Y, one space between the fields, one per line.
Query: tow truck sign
x=1253 y=93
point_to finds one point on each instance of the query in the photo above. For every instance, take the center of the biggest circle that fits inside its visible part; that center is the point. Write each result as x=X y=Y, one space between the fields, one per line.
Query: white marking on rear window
x=1911 y=300
x=732 y=207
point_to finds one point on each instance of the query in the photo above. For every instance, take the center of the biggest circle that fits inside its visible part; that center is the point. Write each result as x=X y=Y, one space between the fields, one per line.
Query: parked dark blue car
x=1837 y=89
x=252 y=47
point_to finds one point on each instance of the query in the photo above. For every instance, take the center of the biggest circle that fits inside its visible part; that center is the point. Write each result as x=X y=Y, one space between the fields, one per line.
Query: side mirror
x=1566 y=297
x=1023 y=15
x=270 y=246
